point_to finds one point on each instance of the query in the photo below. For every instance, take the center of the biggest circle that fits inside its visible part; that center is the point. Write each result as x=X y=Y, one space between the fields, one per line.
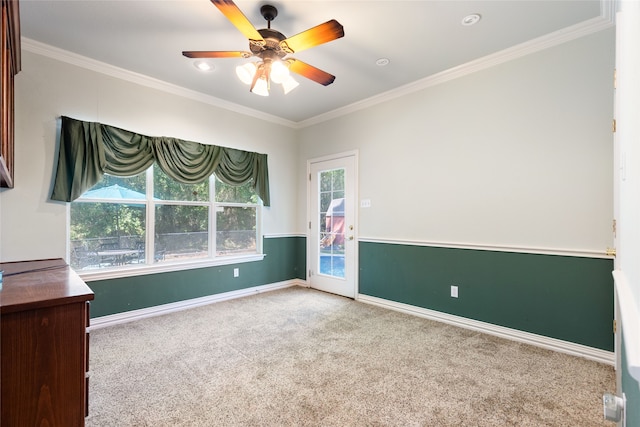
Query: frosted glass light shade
x=261 y=88
x=246 y=72
x=289 y=84
x=279 y=72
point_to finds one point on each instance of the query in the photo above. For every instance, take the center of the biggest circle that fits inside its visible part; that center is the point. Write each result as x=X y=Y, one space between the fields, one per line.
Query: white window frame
x=150 y=267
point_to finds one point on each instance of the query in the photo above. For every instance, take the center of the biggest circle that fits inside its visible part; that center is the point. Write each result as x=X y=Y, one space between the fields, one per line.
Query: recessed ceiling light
x=471 y=19
x=203 y=65
x=382 y=62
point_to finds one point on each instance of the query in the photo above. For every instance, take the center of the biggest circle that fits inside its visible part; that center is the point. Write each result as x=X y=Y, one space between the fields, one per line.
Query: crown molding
x=604 y=21
x=593 y=25
x=144 y=80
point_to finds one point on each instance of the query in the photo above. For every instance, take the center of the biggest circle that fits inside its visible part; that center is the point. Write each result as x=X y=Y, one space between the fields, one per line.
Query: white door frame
x=617 y=339
x=354 y=232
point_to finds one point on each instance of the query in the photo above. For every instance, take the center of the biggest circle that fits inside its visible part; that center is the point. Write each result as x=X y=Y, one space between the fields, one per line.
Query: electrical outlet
x=454 y=291
x=236 y=272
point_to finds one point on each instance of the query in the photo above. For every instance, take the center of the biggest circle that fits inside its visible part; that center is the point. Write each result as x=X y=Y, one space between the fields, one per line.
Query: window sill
x=137 y=270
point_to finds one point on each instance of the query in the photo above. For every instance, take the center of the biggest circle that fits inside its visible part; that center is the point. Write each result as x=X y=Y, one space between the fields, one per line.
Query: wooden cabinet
x=10 y=64
x=44 y=345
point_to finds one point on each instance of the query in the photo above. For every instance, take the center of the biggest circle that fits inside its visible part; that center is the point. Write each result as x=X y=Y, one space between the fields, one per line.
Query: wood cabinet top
x=36 y=284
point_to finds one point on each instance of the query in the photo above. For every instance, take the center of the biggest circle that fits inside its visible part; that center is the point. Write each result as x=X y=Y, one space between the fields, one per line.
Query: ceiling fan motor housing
x=272 y=40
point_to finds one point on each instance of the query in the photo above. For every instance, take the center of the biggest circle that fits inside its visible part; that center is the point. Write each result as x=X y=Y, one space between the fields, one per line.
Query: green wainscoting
x=285 y=260
x=563 y=297
x=630 y=387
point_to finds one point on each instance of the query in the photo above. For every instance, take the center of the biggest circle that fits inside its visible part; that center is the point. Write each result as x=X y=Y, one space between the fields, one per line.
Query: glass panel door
x=332 y=243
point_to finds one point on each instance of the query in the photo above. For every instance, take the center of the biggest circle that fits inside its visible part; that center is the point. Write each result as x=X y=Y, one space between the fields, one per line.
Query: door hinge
x=615 y=326
x=309 y=225
x=610 y=252
x=613 y=126
x=309 y=177
x=615 y=78
x=614 y=227
x=310 y=273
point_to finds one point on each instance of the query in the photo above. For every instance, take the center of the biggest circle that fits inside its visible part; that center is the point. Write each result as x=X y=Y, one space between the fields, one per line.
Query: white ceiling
x=421 y=39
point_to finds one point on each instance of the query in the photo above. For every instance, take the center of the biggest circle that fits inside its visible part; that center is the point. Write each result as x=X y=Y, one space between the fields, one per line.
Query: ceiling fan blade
x=315 y=36
x=215 y=54
x=310 y=72
x=237 y=18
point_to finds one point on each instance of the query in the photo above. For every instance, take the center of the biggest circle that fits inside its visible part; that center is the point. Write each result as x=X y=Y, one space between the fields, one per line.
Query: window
x=150 y=219
x=331 y=222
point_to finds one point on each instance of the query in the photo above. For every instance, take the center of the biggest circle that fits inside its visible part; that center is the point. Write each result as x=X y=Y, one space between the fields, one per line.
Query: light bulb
x=279 y=72
x=246 y=72
x=289 y=84
x=261 y=87
x=203 y=65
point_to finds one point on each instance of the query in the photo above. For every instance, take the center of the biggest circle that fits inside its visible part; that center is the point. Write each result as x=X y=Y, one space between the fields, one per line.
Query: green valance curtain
x=88 y=150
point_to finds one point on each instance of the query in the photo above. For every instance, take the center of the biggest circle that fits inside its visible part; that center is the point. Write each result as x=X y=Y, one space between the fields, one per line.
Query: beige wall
x=519 y=154
x=33 y=227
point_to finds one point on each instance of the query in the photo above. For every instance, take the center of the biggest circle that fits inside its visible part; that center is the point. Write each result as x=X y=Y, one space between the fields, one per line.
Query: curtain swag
x=88 y=150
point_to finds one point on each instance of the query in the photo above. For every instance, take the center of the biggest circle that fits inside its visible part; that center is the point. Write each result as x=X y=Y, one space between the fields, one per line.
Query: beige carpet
x=298 y=357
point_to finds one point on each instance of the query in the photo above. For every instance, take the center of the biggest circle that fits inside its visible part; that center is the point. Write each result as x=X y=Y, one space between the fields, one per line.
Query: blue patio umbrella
x=114 y=192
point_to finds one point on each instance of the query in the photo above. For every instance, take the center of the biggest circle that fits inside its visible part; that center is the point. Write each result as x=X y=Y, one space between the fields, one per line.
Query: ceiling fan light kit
x=268 y=71
x=273 y=48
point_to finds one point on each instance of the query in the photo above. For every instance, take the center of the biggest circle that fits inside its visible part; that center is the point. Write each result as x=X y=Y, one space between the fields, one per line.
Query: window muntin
x=161 y=221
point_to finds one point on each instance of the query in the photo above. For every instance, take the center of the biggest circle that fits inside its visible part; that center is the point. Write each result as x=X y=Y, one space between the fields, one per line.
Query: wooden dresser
x=44 y=345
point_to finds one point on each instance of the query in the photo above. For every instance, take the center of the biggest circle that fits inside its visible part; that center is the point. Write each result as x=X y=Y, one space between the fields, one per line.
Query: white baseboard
x=130 y=316
x=561 y=346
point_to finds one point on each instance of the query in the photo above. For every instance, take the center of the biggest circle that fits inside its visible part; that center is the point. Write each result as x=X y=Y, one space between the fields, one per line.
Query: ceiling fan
x=273 y=48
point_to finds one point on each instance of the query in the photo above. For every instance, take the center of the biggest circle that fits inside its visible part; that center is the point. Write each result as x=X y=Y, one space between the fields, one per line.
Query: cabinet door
x=43 y=366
